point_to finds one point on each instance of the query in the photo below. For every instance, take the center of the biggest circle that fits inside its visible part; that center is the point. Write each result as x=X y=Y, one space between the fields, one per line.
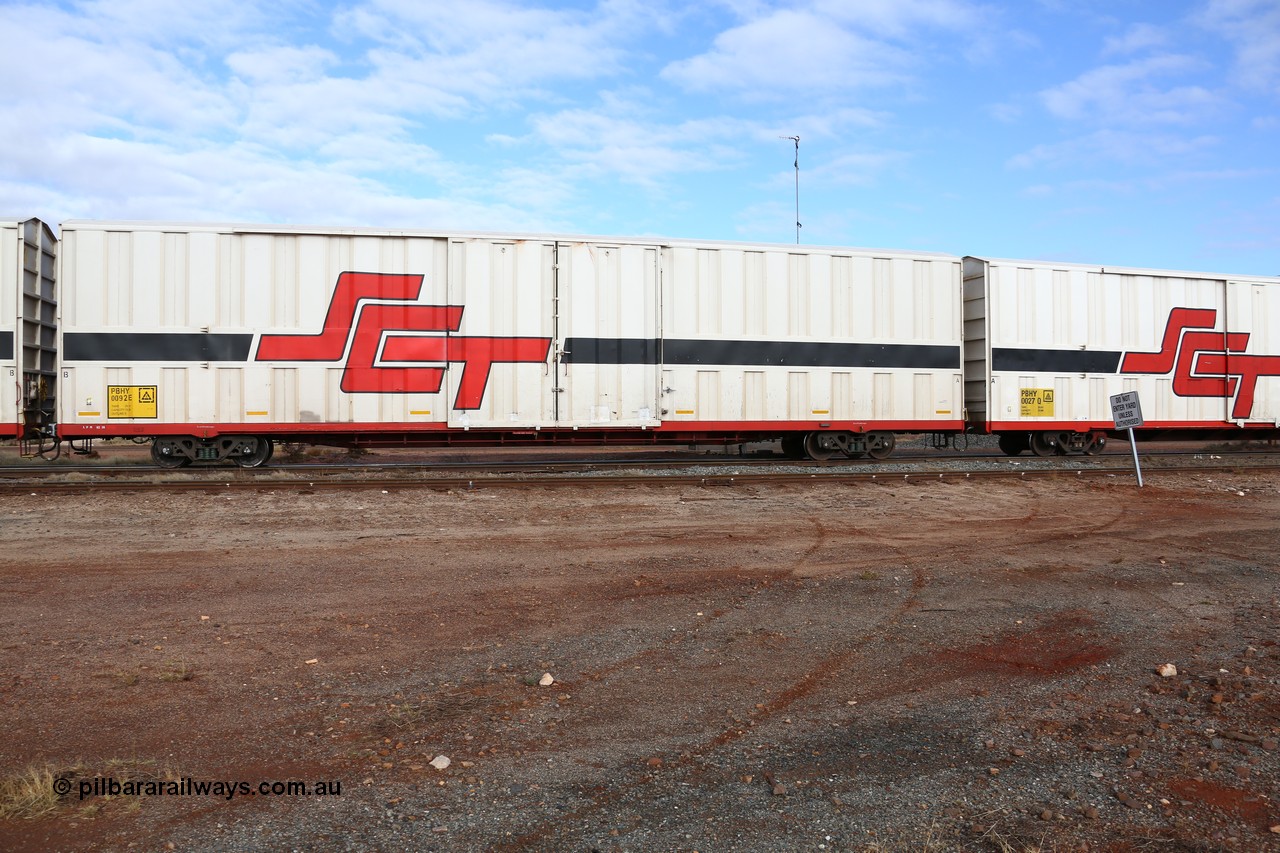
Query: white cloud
x=627 y=136
x=1129 y=94
x=858 y=168
x=1253 y=28
x=216 y=24
x=1128 y=147
x=902 y=19
x=1150 y=183
x=1213 y=176
x=640 y=150
x=81 y=73
x=274 y=64
x=823 y=47
x=153 y=109
x=787 y=52
x=1004 y=113
x=1137 y=38
x=493 y=49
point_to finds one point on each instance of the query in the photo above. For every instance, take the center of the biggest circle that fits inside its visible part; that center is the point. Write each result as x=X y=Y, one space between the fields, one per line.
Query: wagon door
x=1254 y=307
x=607 y=335
x=498 y=348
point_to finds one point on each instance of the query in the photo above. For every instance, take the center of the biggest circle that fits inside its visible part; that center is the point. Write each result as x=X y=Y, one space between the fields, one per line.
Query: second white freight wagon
x=220 y=339
x=1047 y=344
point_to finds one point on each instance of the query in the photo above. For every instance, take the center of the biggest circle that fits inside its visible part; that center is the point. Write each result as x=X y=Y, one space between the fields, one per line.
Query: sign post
x=1127 y=414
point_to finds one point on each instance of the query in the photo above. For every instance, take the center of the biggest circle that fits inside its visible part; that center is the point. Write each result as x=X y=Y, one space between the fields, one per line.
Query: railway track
x=714 y=471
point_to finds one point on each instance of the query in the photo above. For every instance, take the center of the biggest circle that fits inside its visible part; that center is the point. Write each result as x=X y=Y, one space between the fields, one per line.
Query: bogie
x=823 y=445
x=1057 y=443
x=247 y=451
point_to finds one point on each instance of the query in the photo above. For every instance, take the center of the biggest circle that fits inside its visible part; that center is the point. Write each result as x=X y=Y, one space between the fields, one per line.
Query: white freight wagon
x=219 y=339
x=1046 y=345
x=28 y=318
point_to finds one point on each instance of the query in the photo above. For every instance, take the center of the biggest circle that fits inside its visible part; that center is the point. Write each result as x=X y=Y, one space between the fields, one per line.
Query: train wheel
x=815 y=449
x=881 y=444
x=793 y=446
x=1094 y=444
x=1013 y=443
x=1044 y=444
x=166 y=455
x=262 y=451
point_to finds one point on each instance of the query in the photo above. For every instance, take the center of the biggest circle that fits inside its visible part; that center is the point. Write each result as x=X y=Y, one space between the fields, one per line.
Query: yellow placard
x=131 y=401
x=1037 y=403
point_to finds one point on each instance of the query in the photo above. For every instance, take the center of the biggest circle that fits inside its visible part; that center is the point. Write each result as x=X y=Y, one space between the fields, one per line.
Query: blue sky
x=1119 y=132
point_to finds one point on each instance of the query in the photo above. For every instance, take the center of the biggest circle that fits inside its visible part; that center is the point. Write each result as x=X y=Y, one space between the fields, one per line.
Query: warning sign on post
x=131 y=401
x=1126 y=411
x=1037 y=403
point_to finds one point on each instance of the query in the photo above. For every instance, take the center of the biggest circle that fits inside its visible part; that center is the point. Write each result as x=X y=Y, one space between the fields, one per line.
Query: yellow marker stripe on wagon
x=89 y=414
x=821 y=411
x=421 y=412
x=255 y=413
x=684 y=411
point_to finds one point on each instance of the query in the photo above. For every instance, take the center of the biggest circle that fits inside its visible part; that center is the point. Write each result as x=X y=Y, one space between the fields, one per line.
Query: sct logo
x=375 y=321
x=1205 y=363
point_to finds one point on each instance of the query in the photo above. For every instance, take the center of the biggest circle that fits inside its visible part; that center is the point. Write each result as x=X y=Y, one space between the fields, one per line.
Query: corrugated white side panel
x=776 y=296
x=507 y=289
x=709 y=397
x=229 y=396
x=1256 y=306
x=798 y=397
x=842 y=398
x=753 y=396
x=882 y=396
x=608 y=292
x=174 y=396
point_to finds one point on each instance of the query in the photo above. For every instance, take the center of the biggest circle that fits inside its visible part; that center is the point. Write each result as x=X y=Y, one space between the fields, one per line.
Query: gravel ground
x=893 y=666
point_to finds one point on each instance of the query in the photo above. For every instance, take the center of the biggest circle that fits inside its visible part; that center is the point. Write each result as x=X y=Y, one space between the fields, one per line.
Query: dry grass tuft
x=29 y=794
x=34 y=792
x=176 y=670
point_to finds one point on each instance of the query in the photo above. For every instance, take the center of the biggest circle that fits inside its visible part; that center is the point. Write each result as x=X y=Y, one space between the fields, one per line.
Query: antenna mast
x=796 y=140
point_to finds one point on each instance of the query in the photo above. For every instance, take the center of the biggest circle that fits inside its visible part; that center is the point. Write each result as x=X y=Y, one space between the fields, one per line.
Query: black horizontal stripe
x=1055 y=360
x=759 y=353
x=6 y=345
x=154 y=346
x=610 y=351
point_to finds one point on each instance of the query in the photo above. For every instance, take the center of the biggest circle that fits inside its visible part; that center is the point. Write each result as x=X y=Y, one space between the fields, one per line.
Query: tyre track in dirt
x=691 y=757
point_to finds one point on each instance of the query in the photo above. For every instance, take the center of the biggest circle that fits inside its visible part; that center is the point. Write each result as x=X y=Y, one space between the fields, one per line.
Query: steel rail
x=172 y=481
x=574 y=465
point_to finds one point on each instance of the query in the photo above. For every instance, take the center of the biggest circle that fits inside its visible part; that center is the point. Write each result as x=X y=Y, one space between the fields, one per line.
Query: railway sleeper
x=177 y=451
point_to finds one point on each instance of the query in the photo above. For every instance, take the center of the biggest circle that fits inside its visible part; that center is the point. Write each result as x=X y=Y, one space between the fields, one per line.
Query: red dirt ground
x=927 y=666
